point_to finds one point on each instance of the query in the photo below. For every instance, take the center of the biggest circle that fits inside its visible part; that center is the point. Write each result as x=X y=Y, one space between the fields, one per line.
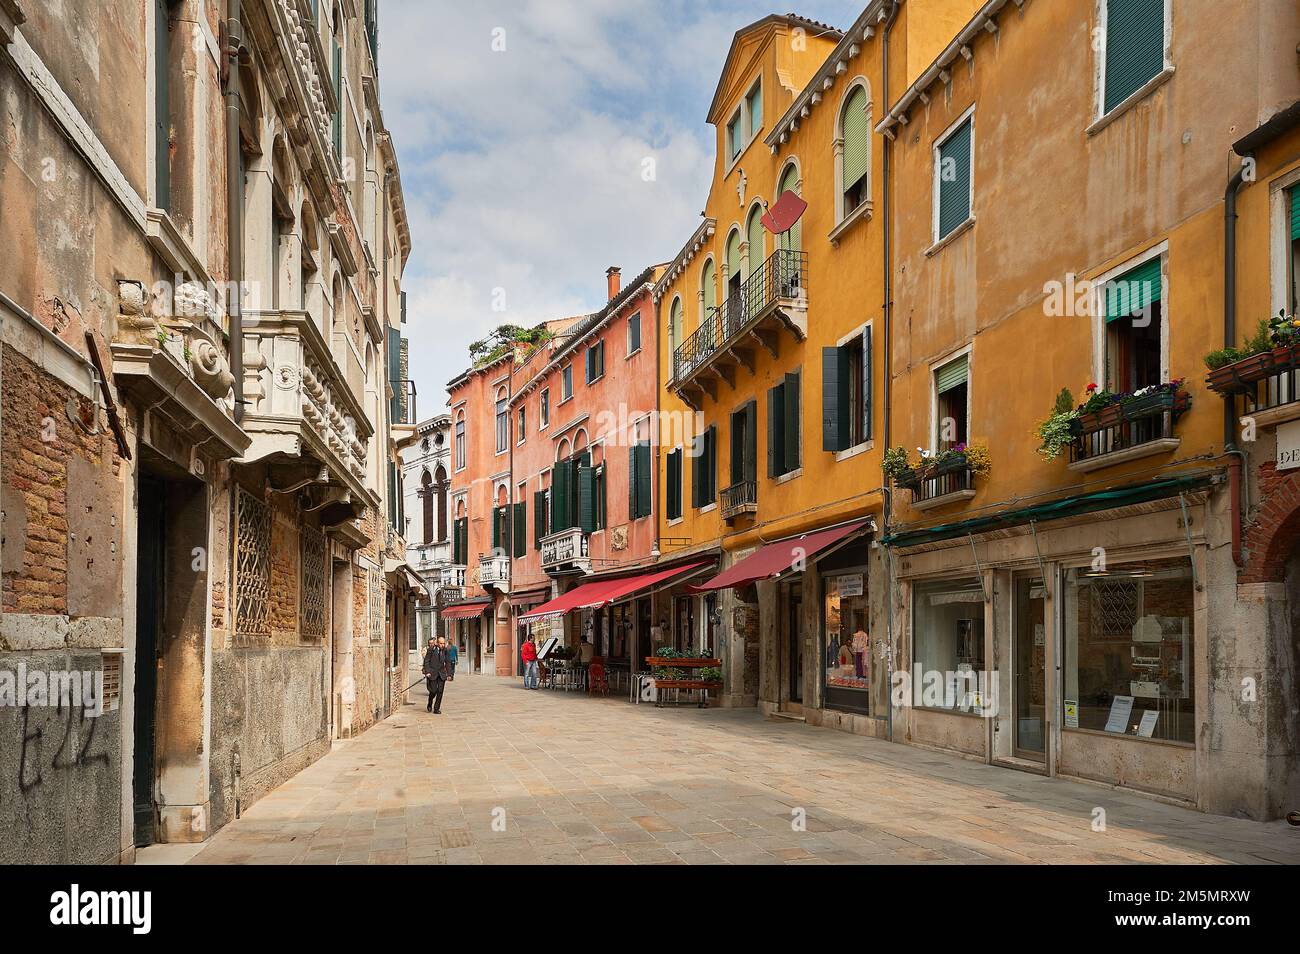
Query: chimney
x=613 y=280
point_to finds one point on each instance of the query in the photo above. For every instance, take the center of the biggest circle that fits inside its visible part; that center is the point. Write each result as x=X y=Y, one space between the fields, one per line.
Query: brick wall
x=1271 y=537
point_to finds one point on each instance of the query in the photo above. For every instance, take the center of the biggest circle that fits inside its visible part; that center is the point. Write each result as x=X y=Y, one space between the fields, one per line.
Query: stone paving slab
x=506 y=775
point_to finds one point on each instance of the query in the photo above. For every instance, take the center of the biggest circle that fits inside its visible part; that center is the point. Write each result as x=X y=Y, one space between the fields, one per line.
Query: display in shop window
x=848 y=639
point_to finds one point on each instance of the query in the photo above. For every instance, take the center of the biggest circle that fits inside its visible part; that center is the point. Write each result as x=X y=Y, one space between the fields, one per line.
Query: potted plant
x=1274 y=348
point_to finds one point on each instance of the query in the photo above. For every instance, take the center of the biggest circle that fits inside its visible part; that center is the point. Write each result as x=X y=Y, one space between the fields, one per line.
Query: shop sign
x=849 y=584
x=1288 y=445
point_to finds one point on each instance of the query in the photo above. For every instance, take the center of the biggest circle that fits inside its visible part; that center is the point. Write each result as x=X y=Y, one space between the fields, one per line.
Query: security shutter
x=1134 y=291
x=954 y=170
x=1135 y=46
x=520 y=534
x=835 y=399
x=951 y=375
x=857 y=138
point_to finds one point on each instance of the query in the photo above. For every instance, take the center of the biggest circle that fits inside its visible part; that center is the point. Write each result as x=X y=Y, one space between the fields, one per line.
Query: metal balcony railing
x=783 y=277
x=739 y=498
x=1125 y=427
x=940 y=485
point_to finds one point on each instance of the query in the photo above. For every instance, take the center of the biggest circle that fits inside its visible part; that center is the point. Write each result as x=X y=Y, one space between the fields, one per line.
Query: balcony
x=566 y=552
x=739 y=499
x=453 y=577
x=773 y=298
x=494 y=570
x=1267 y=384
x=946 y=485
x=1122 y=432
x=428 y=557
x=300 y=412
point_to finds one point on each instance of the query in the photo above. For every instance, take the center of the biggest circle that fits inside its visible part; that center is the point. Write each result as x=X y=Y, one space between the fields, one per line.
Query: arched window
x=793 y=238
x=754 y=236
x=440 y=489
x=675 y=325
x=460 y=441
x=709 y=282
x=855 y=159
x=427 y=501
x=733 y=264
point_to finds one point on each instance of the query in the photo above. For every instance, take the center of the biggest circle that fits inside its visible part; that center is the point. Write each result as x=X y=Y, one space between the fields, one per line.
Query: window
x=783 y=427
x=1133 y=314
x=948 y=645
x=541 y=517
x=633 y=333
x=953 y=185
x=573 y=494
x=426 y=509
x=673 y=484
x=598 y=477
x=566 y=382
x=522 y=424
x=704 y=468
x=519 y=532
x=460 y=443
x=754 y=109
x=1128 y=650
x=162 y=104
x=745 y=122
x=675 y=325
x=336 y=73
x=744 y=444
x=638 y=484
x=733 y=137
x=544 y=417
x=459 y=541
x=791 y=239
x=595 y=361
x=1135 y=47
x=502 y=529
x=855 y=163
x=754 y=238
x=734 y=276
x=951 y=390
x=846 y=393
x=503 y=426
x=1293 y=196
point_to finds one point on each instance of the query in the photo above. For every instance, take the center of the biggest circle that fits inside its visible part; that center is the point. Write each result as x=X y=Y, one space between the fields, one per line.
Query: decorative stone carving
x=208 y=365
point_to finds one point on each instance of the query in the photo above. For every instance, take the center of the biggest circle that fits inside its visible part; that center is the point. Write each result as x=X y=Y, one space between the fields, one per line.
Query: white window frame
x=968 y=352
x=1279 y=217
x=857 y=335
x=566 y=382
x=936 y=174
x=1097 y=302
x=544 y=409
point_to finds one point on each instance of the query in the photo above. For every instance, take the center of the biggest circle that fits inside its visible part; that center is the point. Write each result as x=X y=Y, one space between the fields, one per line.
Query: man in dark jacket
x=437 y=667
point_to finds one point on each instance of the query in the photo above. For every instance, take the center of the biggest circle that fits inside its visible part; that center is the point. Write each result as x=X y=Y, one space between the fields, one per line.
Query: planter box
x=693 y=663
x=686 y=684
x=1237 y=378
x=1176 y=402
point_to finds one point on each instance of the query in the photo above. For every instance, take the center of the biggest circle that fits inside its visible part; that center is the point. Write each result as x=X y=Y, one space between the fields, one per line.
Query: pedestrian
x=529 y=654
x=436 y=668
x=454 y=654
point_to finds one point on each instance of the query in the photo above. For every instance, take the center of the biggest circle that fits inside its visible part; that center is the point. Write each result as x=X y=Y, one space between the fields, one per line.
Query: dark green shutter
x=520 y=534
x=458 y=542
x=954 y=179
x=631 y=482
x=868 y=394
x=711 y=464
x=643 y=499
x=697 y=470
x=587 y=498
x=776 y=431
x=162 y=107
x=1134 y=291
x=790 y=442
x=1135 y=47
x=560 y=497
x=634 y=333
x=835 y=399
x=395 y=373
x=751 y=441
x=857 y=138
x=599 y=481
x=496 y=528
x=539 y=518
x=673 y=485
x=1295 y=213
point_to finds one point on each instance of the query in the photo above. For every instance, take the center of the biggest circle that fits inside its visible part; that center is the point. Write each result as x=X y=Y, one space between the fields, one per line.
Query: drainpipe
x=887 y=309
x=234 y=206
x=1237 y=456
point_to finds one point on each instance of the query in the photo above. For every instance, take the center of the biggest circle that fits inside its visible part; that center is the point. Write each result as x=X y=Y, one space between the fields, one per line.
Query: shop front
x=1075 y=647
x=464 y=625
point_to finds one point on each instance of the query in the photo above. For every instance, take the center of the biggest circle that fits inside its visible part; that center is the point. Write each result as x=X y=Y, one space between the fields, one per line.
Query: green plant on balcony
x=1105 y=408
x=1261 y=341
x=909 y=474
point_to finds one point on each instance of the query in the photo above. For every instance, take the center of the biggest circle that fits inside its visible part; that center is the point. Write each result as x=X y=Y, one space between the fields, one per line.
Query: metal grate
x=311 y=611
x=1115 y=608
x=111 y=666
x=252 y=567
x=376 y=606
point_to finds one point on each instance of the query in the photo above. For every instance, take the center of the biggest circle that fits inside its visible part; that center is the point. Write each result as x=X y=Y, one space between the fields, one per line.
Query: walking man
x=453 y=654
x=528 y=652
x=437 y=666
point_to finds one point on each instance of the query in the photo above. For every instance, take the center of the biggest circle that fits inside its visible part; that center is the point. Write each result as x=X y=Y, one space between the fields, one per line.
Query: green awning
x=1053 y=510
x=1133 y=291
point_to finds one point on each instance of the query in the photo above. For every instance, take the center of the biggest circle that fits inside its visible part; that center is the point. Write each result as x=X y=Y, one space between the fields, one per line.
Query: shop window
x=848 y=661
x=948 y=645
x=1134 y=316
x=1128 y=650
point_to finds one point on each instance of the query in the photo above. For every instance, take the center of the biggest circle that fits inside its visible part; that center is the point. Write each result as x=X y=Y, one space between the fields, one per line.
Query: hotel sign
x=1288 y=445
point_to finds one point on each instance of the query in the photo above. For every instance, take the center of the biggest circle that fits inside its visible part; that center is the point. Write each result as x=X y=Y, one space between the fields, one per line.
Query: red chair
x=597 y=681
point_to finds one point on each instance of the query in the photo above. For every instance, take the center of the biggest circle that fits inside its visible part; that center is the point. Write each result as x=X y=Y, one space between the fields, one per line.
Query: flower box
x=1238 y=377
x=690 y=662
x=687 y=684
x=1134 y=409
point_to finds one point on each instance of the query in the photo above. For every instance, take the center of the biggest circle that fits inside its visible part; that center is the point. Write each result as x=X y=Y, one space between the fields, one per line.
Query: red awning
x=603 y=592
x=466 y=610
x=779 y=557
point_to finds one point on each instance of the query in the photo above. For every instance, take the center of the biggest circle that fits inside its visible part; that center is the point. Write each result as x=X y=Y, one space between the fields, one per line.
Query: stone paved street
x=601 y=781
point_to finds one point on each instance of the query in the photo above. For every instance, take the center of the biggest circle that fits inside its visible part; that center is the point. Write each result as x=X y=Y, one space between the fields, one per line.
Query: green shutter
x=756 y=110
x=835 y=399
x=560 y=497
x=951 y=375
x=755 y=239
x=520 y=534
x=697 y=472
x=954 y=171
x=673 y=485
x=162 y=107
x=733 y=255
x=868 y=392
x=643 y=499
x=737 y=461
x=711 y=464
x=709 y=280
x=857 y=138
x=539 y=518
x=587 y=498
x=1133 y=291
x=1135 y=46
x=791 y=239
x=599 y=481
x=776 y=431
x=496 y=528
x=750 y=458
x=631 y=482
x=790 y=442
x=458 y=541
x=395 y=374
x=634 y=333
x=1295 y=213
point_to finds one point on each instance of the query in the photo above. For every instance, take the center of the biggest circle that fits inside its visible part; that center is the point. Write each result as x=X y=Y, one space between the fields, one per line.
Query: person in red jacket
x=529 y=653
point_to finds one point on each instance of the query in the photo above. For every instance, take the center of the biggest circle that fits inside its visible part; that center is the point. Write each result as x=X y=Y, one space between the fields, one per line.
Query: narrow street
x=600 y=781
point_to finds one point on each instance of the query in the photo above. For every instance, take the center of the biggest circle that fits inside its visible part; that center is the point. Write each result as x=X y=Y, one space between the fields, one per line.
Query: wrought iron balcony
x=1123 y=432
x=774 y=296
x=946 y=485
x=566 y=549
x=740 y=498
x=494 y=570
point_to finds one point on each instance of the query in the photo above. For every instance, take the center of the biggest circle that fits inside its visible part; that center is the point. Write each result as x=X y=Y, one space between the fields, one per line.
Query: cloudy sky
x=522 y=167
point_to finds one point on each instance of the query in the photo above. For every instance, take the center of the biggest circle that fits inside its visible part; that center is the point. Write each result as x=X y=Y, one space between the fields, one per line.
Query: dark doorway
x=794 y=644
x=643 y=624
x=150 y=587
